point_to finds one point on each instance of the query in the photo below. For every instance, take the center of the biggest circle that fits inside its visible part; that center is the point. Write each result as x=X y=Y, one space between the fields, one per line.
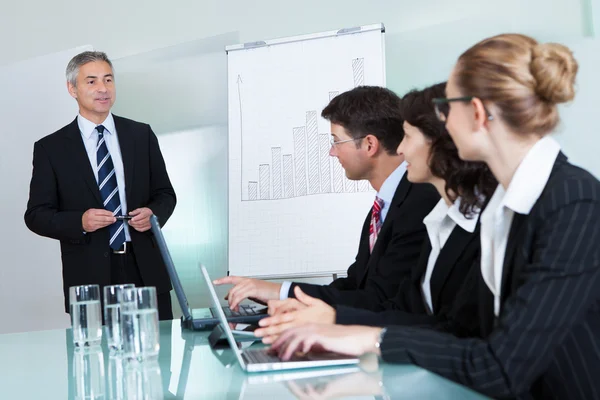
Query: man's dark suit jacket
x=545 y=344
x=63 y=187
x=378 y=276
x=453 y=291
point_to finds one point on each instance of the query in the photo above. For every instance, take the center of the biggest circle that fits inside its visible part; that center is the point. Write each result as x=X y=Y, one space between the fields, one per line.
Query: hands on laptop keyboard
x=244 y=311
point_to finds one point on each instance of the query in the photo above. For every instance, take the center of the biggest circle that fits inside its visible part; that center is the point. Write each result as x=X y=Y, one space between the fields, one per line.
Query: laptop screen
x=166 y=256
x=216 y=307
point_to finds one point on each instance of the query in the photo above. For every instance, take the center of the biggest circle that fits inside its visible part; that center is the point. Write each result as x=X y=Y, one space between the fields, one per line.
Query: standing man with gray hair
x=94 y=186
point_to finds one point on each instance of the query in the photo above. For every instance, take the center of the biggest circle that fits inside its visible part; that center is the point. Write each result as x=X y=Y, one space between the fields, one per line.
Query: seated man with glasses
x=366 y=129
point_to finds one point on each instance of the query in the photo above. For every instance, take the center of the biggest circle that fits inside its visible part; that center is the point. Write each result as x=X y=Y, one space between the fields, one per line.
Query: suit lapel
x=515 y=236
x=486 y=307
x=486 y=298
x=514 y=240
x=447 y=259
x=415 y=296
x=81 y=159
x=400 y=195
x=423 y=260
x=397 y=200
x=127 y=145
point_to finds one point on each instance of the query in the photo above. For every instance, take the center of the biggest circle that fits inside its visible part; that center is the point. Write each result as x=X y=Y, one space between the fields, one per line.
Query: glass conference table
x=45 y=365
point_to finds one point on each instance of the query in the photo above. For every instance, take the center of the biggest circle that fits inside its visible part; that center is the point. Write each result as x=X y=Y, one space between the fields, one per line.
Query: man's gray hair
x=81 y=59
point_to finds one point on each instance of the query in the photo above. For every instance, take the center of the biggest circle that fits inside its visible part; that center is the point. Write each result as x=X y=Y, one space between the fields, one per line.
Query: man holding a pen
x=87 y=175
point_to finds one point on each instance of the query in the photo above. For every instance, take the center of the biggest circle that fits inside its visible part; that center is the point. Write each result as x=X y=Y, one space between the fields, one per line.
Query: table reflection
x=116 y=379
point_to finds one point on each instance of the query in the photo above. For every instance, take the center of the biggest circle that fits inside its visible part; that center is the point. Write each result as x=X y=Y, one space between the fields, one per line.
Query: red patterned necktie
x=375 y=226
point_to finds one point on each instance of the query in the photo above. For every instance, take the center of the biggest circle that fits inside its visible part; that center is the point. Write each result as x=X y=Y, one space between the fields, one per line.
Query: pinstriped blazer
x=545 y=344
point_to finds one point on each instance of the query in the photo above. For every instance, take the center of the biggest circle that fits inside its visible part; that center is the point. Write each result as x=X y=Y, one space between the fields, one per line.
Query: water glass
x=88 y=373
x=86 y=319
x=112 y=314
x=139 y=323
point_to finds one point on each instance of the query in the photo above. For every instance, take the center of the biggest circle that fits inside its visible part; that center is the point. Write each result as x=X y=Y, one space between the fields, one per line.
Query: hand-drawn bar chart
x=292 y=211
x=307 y=168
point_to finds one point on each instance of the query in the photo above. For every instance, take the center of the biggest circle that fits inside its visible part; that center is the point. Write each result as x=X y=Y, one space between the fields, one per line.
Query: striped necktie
x=107 y=183
x=375 y=226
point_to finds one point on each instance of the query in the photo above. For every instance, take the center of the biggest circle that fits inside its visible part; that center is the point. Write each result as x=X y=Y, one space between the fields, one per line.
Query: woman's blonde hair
x=523 y=78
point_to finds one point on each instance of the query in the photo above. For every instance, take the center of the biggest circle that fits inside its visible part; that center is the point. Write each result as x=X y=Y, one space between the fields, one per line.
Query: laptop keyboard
x=244 y=311
x=263 y=356
x=260 y=356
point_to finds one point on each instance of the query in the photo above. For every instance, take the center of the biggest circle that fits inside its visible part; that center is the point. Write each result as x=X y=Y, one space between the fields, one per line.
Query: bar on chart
x=276 y=163
x=264 y=182
x=288 y=176
x=349 y=186
x=252 y=190
x=358 y=71
x=300 y=160
x=324 y=167
x=313 y=152
x=364 y=186
x=338 y=176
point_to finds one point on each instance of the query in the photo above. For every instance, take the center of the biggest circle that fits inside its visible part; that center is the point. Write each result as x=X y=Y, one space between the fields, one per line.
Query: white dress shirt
x=386 y=193
x=440 y=223
x=523 y=191
x=90 y=141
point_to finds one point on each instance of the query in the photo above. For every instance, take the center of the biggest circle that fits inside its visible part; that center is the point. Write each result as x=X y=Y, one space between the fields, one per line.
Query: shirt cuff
x=285 y=290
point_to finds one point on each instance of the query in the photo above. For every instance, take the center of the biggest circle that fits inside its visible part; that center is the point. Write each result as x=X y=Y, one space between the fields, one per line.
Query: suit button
x=106 y=254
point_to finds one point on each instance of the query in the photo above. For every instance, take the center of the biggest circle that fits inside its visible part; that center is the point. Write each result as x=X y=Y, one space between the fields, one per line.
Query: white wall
x=35 y=104
x=422 y=41
x=29 y=29
x=578 y=133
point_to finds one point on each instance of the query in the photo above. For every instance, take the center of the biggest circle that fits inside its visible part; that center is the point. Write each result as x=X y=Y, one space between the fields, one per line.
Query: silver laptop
x=201 y=318
x=260 y=359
